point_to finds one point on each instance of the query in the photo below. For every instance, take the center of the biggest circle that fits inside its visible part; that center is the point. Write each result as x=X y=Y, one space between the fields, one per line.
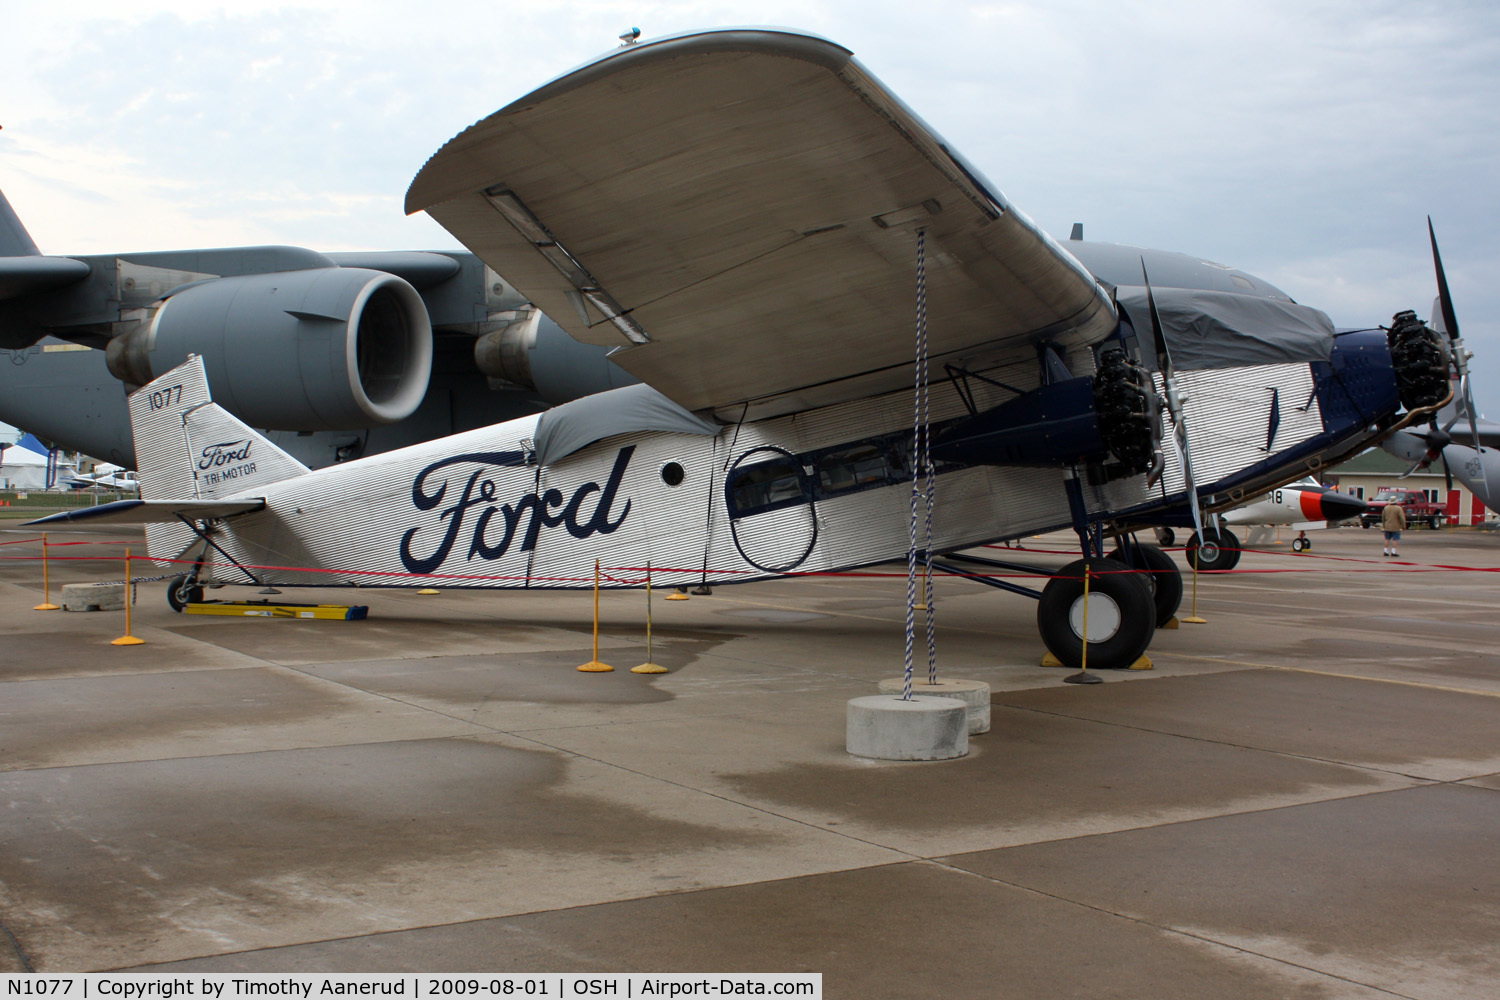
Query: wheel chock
x=1048 y=660
x=1171 y=623
x=1144 y=663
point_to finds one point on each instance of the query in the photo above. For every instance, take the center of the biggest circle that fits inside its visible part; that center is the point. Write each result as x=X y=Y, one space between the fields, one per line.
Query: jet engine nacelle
x=333 y=348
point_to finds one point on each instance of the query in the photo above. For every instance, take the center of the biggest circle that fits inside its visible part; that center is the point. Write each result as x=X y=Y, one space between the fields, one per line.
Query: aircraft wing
x=737 y=211
x=27 y=275
x=151 y=511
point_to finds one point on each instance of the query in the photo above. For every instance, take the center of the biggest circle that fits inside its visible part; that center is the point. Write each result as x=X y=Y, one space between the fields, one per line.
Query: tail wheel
x=1218 y=549
x=1121 y=615
x=182 y=591
x=1162 y=577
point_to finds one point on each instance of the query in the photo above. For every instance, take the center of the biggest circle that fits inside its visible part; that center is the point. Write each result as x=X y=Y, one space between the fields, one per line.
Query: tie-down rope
x=921 y=463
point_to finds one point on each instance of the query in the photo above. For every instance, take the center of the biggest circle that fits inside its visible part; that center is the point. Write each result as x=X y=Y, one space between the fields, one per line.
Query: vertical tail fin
x=188 y=447
x=14 y=240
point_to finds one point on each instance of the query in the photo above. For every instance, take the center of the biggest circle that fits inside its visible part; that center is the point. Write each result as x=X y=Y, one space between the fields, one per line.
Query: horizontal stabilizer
x=151 y=512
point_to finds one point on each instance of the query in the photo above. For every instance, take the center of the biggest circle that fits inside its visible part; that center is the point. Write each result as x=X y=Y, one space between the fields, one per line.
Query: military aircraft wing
x=737 y=210
x=28 y=275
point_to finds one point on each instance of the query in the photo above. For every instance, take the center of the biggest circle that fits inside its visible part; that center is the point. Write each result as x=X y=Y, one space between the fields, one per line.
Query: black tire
x=1220 y=551
x=182 y=591
x=1300 y=545
x=1165 y=536
x=1163 y=578
x=1122 y=615
x=1437 y=522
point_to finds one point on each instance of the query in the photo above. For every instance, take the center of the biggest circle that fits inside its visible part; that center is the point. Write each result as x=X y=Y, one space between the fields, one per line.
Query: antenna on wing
x=630 y=37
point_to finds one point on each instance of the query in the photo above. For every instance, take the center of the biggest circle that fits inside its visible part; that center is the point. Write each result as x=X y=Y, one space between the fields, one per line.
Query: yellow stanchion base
x=127 y=640
x=1048 y=660
x=919 y=607
x=1172 y=623
x=1195 y=620
x=649 y=668
x=678 y=596
x=429 y=591
x=1144 y=663
x=595 y=667
x=47 y=607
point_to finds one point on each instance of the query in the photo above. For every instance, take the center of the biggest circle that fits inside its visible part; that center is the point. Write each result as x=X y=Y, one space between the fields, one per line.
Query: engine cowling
x=335 y=348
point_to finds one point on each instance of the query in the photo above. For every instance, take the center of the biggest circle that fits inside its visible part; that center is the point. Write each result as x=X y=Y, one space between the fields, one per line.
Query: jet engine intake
x=335 y=348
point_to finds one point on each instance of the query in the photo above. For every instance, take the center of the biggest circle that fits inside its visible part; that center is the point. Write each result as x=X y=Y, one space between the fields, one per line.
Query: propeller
x=1438 y=439
x=1175 y=403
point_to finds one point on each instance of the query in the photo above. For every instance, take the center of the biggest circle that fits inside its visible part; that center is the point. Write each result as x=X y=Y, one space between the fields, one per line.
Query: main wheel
x=1121 y=615
x=1300 y=545
x=182 y=591
x=1217 y=550
x=1162 y=578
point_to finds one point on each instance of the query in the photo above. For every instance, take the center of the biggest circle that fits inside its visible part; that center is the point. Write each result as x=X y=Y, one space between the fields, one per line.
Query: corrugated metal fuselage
x=820 y=490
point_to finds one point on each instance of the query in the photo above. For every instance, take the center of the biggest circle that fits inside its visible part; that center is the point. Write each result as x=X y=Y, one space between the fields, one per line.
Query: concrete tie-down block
x=885 y=727
x=93 y=596
x=975 y=694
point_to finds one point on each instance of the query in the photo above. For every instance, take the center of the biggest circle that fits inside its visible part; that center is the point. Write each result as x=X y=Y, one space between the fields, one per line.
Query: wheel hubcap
x=1104 y=617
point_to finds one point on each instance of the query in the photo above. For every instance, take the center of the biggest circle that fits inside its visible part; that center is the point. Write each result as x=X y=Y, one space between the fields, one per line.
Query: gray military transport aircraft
x=334 y=355
x=744 y=218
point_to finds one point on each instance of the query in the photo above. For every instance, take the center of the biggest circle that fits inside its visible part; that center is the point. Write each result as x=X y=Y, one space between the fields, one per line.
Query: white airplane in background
x=741 y=214
x=106 y=476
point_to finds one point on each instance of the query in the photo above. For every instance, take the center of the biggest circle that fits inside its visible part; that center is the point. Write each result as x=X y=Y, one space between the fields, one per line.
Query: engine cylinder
x=324 y=349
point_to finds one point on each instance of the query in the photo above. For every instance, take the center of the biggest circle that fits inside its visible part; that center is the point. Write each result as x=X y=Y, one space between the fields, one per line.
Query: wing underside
x=737 y=211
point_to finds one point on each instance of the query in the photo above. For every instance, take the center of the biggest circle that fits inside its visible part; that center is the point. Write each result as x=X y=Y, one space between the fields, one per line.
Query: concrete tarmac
x=1302 y=799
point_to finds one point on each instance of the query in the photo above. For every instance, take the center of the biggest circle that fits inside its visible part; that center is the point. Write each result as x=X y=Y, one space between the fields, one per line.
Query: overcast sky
x=1303 y=141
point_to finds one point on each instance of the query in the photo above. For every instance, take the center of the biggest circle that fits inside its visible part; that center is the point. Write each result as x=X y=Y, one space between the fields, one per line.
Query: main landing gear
x=1122 y=612
x=1217 y=549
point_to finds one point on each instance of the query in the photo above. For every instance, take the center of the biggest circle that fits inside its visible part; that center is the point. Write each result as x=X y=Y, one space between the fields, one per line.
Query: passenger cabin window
x=851 y=468
x=766 y=486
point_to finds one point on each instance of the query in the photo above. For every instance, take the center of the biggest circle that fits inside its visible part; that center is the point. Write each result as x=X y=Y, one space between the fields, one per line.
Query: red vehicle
x=1419 y=509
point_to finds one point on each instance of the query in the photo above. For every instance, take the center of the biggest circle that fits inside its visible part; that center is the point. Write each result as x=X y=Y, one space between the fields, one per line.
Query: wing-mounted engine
x=329 y=348
x=1109 y=420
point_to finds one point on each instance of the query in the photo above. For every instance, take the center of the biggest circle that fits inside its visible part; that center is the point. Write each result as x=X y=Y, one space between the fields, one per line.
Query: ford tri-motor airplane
x=743 y=215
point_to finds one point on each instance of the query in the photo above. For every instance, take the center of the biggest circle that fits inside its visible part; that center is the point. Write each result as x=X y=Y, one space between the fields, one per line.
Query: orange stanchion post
x=46 y=604
x=649 y=667
x=594 y=666
x=127 y=639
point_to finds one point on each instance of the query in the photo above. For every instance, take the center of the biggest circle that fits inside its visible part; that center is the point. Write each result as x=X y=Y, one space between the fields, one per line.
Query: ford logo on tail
x=223 y=453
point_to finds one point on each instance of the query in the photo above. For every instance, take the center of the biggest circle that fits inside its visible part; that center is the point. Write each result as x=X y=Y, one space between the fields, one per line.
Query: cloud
x=1305 y=142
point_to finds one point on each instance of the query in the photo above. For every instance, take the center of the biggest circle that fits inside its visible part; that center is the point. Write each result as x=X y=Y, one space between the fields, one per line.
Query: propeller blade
x=1447 y=474
x=1445 y=300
